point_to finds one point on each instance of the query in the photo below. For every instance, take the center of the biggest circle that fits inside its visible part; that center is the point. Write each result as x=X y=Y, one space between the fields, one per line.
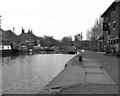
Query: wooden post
x=80 y=58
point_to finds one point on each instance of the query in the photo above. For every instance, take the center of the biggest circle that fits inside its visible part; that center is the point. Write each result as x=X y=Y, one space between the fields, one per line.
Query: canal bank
x=88 y=77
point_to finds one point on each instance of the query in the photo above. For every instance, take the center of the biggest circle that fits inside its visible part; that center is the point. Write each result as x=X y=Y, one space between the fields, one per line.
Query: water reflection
x=28 y=74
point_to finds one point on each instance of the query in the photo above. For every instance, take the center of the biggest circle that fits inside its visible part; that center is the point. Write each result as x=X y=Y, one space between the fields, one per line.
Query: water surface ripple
x=28 y=74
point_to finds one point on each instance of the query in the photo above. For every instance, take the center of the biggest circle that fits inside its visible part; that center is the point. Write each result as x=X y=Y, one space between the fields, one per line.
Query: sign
x=105 y=27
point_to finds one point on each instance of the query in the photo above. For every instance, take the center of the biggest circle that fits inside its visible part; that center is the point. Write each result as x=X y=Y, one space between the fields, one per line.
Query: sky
x=57 y=18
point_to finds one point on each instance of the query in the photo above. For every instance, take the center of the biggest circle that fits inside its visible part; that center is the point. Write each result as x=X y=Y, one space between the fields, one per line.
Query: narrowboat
x=5 y=50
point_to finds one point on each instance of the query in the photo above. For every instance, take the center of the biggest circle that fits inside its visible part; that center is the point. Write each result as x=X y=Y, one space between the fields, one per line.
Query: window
x=114 y=9
x=117 y=41
x=114 y=25
x=114 y=41
x=108 y=32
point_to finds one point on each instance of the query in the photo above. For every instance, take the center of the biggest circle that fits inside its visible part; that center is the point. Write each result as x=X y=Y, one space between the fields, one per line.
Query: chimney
x=31 y=31
x=13 y=29
x=23 y=30
x=28 y=31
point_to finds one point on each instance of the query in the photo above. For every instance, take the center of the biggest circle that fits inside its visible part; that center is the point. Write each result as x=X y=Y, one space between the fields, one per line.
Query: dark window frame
x=114 y=25
x=117 y=40
x=114 y=9
x=114 y=42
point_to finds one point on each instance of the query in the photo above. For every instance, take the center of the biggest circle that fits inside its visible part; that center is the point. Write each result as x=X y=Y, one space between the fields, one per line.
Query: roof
x=113 y=4
x=9 y=36
x=26 y=36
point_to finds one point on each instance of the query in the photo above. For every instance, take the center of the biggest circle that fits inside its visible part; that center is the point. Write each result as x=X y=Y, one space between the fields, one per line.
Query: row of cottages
x=111 y=28
x=8 y=37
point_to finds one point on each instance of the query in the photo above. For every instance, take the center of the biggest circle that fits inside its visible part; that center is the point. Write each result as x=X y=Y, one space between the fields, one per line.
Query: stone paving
x=95 y=74
x=69 y=76
x=86 y=73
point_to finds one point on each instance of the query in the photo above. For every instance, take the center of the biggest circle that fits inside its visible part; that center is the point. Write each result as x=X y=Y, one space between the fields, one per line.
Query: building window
x=114 y=41
x=108 y=32
x=114 y=9
x=114 y=25
x=109 y=17
x=111 y=42
x=117 y=41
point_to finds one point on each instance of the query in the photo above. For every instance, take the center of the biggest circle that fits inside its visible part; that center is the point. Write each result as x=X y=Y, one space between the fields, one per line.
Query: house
x=111 y=26
x=28 y=38
x=10 y=36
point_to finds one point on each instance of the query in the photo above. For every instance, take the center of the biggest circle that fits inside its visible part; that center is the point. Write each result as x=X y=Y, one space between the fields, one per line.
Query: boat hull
x=4 y=53
x=71 y=52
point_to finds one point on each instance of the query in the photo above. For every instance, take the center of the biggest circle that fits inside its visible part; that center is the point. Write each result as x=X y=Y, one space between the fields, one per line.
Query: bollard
x=65 y=65
x=80 y=58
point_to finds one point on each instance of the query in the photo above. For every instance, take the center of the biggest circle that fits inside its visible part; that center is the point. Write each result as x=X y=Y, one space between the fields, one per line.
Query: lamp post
x=81 y=39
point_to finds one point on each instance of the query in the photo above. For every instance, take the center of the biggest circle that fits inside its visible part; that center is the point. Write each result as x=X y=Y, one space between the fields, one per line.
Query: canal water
x=28 y=74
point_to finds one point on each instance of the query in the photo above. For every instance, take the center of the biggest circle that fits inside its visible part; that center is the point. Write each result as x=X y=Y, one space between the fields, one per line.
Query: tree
x=96 y=30
x=78 y=37
x=66 y=41
x=88 y=34
x=49 y=41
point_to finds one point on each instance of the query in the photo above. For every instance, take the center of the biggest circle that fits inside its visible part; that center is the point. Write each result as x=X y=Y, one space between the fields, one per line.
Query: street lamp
x=81 y=39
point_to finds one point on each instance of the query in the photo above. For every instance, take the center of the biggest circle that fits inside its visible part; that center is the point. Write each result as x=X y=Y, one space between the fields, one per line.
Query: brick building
x=111 y=27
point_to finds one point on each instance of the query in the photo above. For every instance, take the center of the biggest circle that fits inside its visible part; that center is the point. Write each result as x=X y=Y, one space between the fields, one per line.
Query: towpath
x=97 y=74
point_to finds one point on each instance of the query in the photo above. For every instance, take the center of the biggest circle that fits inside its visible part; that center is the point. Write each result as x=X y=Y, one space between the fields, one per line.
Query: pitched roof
x=113 y=4
x=10 y=36
x=26 y=36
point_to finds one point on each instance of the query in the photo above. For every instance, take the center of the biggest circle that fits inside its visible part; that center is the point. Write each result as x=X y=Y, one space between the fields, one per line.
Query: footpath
x=96 y=74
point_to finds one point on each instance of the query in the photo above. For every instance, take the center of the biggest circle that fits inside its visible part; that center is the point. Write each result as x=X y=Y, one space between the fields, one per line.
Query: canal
x=28 y=74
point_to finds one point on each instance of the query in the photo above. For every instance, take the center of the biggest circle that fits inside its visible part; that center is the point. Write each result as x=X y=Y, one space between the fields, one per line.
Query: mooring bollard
x=65 y=65
x=80 y=58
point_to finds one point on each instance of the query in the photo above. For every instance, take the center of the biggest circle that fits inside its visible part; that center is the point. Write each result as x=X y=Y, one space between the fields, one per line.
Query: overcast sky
x=57 y=18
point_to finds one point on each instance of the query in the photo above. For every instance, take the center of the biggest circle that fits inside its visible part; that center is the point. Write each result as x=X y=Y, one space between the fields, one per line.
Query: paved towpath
x=87 y=77
x=72 y=74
